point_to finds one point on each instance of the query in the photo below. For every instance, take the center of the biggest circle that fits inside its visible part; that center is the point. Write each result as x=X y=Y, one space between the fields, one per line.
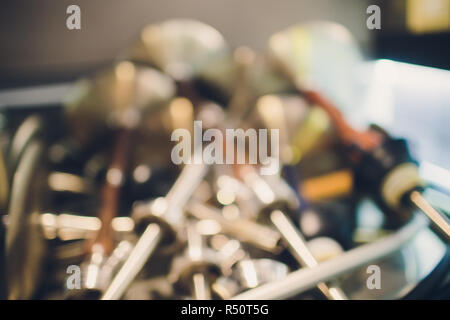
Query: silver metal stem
x=298 y=247
x=436 y=218
x=185 y=185
x=201 y=287
x=138 y=257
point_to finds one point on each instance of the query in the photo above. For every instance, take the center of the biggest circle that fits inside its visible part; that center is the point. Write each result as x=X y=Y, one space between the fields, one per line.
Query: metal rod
x=201 y=287
x=18 y=218
x=111 y=189
x=185 y=185
x=298 y=247
x=200 y=284
x=436 y=218
x=137 y=259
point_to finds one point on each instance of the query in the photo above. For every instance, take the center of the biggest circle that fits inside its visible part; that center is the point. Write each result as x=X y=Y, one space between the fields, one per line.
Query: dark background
x=35 y=45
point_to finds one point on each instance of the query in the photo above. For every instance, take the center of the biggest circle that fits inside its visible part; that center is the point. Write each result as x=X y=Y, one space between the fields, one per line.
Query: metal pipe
x=298 y=247
x=137 y=259
x=436 y=218
x=201 y=288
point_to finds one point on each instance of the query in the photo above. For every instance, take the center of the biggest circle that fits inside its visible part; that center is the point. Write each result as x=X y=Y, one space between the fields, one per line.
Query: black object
x=336 y=220
x=427 y=287
x=373 y=166
x=432 y=49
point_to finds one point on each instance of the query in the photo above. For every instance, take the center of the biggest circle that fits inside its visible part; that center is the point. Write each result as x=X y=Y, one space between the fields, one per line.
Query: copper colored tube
x=366 y=140
x=110 y=192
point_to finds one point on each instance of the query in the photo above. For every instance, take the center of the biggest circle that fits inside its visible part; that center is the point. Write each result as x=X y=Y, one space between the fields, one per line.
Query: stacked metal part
x=92 y=184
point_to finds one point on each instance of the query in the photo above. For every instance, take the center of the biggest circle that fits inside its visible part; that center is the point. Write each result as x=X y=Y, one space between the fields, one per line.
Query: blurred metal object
x=299 y=248
x=256 y=272
x=240 y=271
x=187 y=49
x=4 y=181
x=294 y=50
x=136 y=260
x=275 y=197
x=304 y=279
x=92 y=269
x=225 y=287
x=220 y=229
x=126 y=94
x=71 y=227
x=243 y=95
x=271 y=110
x=206 y=48
x=99 y=270
x=322 y=54
x=196 y=271
x=436 y=218
x=115 y=261
x=243 y=229
x=110 y=192
x=4 y=193
x=324 y=248
x=269 y=190
x=24 y=239
x=120 y=96
x=388 y=159
x=27 y=130
x=67 y=182
x=229 y=252
x=166 y=214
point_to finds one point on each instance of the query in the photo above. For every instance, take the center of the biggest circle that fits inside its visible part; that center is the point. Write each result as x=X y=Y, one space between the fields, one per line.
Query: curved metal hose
x=306 y=278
